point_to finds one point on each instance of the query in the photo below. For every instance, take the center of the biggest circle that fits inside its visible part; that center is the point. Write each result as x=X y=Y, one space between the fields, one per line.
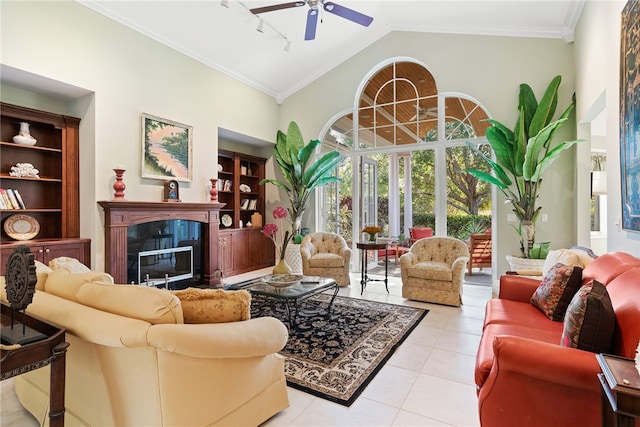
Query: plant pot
x=293 y=258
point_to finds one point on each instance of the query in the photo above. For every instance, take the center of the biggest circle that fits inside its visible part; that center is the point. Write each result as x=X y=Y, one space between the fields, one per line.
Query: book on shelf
x=245 y=204
x=5 y=199
x=20 y=201
x=253 y=204
x=3 y=205
x=13 y=198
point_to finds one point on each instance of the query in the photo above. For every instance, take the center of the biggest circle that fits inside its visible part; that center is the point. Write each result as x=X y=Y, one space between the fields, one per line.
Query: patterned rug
x=334 y=356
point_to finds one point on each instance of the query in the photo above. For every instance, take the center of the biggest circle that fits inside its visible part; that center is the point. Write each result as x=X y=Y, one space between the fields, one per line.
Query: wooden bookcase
x=242 y=248
x=53 y=198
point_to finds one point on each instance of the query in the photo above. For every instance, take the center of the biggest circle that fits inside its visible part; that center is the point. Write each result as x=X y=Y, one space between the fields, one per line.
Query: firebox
x=165 y=254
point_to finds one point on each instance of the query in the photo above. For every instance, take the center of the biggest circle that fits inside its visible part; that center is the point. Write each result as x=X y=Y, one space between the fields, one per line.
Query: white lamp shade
x=598 y=182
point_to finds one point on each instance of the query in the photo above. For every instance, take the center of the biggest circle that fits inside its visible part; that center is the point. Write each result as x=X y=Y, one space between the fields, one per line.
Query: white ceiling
x=226 y=39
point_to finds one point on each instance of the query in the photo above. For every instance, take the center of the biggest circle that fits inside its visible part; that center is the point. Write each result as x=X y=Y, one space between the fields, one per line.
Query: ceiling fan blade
x=347 y=13
x=312 y=23
x=259 y=10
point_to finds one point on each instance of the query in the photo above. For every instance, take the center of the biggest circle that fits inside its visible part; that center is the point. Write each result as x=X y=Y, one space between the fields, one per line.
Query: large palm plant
x=522 y=155
x=302 y=175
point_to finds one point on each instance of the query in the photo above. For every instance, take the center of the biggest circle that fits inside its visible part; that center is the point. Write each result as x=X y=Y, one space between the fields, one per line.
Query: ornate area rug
x=335 y=355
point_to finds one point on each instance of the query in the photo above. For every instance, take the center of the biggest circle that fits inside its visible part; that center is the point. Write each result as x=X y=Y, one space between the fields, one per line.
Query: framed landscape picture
x=166 y=149
x=630 y=115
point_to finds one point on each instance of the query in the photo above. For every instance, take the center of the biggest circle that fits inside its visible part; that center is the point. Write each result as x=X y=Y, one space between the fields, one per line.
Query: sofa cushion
x=150 y=304
x=326 y=259
x=590 y=321
x=431 y=270
x=214 y=305
x=556 y=290
x=65 y=284
x=505 y=311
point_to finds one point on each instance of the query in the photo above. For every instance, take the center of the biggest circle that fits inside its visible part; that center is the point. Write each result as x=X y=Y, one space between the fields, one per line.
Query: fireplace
x=158 y=231
x=165 y=254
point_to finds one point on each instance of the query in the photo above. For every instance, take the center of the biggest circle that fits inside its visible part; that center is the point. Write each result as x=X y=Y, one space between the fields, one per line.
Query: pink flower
x=270 y=230
x=279 y=212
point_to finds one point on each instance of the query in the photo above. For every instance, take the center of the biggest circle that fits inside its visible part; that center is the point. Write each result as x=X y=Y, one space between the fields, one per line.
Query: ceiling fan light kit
x=314 y=11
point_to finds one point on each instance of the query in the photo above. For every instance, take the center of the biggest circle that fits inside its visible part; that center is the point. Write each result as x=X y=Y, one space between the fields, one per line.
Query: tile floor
x=427 y=382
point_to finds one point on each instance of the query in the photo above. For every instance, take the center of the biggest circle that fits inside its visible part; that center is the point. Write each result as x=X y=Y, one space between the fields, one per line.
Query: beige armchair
x=326 y=255
x=433 y=270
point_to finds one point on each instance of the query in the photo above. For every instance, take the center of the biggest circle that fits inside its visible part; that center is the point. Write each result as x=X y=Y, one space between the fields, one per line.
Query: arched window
x=413 y=138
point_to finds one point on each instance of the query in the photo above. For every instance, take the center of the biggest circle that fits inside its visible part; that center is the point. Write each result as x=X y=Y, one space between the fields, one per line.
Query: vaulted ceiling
x=222 y=34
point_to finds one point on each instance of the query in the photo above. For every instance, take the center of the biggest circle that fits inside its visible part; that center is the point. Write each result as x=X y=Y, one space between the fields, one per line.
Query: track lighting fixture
x=224 y=3
x=260 y=28
x=287 y=45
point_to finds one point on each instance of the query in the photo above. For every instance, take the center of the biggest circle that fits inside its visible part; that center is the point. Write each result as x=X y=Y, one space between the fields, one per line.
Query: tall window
x=418 y=138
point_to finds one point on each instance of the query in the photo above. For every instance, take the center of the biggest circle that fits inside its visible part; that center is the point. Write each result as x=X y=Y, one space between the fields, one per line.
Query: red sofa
x=524 y=377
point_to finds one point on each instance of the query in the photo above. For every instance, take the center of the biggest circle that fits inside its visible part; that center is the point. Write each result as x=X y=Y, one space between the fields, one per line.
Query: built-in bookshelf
x=50 y=196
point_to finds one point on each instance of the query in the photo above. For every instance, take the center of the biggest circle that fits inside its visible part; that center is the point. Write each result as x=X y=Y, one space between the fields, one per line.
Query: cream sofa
x=132 y=361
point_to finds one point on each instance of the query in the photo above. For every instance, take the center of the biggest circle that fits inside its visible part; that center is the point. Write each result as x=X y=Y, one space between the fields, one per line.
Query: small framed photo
x=166 y=149
x=228 y=185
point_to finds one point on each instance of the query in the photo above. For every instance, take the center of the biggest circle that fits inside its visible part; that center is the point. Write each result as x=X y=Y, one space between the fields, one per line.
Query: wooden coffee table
x=290 y=295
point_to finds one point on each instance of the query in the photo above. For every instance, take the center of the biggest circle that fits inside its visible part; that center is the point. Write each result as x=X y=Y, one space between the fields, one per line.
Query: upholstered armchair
x=433 y=270
x=326 y=255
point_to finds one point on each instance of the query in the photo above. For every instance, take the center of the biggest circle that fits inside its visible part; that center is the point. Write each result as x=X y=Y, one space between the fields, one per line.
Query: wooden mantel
x=118 y=215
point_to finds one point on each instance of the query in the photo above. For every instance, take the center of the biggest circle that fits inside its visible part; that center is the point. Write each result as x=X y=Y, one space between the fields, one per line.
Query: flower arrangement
x=372 y=230
x=271 y=231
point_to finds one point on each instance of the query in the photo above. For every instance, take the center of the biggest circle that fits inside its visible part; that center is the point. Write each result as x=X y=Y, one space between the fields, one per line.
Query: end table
x=620 y=383
x=373 y=246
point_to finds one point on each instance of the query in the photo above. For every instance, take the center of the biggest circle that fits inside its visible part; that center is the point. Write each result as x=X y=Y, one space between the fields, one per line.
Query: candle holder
x=119 y=186
x=213 y=193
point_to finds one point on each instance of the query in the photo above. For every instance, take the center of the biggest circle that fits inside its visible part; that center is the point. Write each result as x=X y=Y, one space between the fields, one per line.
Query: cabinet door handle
x=47 y=250
x=40 y=251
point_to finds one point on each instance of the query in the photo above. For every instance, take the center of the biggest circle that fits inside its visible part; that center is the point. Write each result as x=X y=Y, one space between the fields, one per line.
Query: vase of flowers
x=280 y=239
x=372 y=231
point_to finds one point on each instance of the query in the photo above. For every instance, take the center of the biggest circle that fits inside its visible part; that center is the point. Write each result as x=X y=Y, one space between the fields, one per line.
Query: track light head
x=224 y=3
x=260 y=28
x=287 y=45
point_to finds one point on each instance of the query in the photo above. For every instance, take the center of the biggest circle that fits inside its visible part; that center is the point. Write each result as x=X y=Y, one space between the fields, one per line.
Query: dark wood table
x=620 y=383
x=50 y=350
x=364 y=277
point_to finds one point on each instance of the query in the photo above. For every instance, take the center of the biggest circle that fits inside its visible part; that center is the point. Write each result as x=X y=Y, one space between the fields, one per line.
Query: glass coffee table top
x=291 y=295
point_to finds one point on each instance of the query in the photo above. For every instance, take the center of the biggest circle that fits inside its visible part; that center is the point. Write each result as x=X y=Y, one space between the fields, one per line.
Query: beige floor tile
x=410 y=356
x=390 y=386
x=450 y=365
x=444 y=400
x=363 y=412
x=408 y=419
x=458 y=342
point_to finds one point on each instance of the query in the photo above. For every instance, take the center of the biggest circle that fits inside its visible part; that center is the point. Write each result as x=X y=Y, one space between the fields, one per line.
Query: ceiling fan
x=424 y=112
x=314 y=11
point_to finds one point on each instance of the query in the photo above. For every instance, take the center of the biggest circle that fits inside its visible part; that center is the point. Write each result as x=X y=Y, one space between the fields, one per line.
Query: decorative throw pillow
x=556 y=290
x=214 y=305
x=564 y=256
x=71 y=264
x=590 y=321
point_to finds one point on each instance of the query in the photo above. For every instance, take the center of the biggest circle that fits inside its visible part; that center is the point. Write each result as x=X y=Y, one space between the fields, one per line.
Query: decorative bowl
x=24 y=140
x=282 y=280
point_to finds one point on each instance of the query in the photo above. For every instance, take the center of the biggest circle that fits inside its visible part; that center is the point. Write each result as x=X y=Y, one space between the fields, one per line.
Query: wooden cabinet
x=52 y=198
x=243 y=250
x=45 y=251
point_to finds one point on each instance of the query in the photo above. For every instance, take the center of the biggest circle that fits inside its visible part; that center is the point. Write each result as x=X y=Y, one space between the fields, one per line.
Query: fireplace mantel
x=118 y=215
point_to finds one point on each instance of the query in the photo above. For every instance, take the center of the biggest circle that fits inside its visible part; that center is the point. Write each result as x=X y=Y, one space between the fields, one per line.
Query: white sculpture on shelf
x=24 y=136
x=24 y=170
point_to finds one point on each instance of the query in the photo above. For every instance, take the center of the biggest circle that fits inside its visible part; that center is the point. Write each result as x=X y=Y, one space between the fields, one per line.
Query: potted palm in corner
x=523 y=154
x=302 y=174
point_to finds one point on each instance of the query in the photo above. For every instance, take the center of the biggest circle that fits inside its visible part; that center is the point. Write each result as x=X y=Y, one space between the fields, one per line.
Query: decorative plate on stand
x=21 y=227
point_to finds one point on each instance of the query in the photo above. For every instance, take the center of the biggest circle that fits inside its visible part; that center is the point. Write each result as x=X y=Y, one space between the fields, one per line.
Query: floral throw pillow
x=214 y=305
x=590 y=321
x=556 y=290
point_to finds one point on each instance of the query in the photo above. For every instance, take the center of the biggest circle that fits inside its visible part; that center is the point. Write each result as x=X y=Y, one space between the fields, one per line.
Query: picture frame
x=166 y=149
x=630 y=116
